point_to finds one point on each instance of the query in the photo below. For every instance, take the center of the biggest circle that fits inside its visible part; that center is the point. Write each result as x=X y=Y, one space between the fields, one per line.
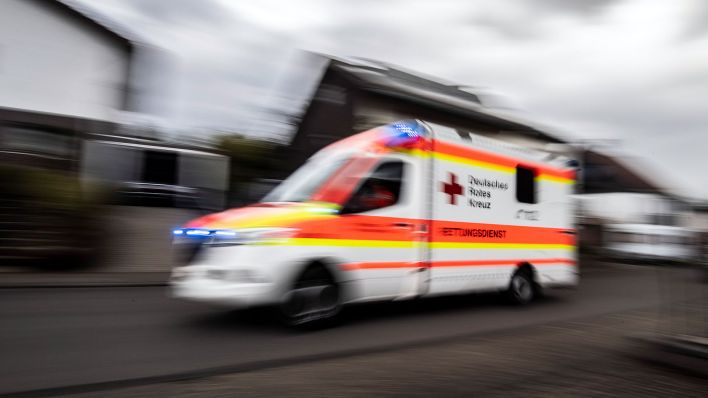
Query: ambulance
x=407 y=210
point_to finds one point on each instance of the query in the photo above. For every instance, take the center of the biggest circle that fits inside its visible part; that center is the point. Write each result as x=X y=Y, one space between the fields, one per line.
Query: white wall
x=51 y=63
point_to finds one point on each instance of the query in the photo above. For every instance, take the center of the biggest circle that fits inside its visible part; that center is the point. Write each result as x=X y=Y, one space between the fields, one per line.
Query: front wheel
x=521 y=288
x=314 y=300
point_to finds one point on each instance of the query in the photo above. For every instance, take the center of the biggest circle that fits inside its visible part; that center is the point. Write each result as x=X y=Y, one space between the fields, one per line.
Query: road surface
x=55 y=338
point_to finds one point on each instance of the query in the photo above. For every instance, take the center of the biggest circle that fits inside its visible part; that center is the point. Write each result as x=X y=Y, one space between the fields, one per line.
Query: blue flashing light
x=410 y=127
x=200 y=233
x=406 y=134
x=405 y=129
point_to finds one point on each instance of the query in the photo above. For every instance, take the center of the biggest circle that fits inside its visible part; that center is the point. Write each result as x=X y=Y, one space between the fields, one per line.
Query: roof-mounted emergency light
x=408 y=134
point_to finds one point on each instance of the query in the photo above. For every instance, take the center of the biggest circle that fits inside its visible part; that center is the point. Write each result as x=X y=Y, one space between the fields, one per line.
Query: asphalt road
x=58 y=337
x=586 y=358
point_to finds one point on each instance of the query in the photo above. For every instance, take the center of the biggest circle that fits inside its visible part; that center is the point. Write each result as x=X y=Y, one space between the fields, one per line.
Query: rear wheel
x=521 y=287
x=314 y=300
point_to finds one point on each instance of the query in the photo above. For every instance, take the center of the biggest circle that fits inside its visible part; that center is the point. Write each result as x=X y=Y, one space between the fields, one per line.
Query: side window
x=381 y=189
x=525 y=184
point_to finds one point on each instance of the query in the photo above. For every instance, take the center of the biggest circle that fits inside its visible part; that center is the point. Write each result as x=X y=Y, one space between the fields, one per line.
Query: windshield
x=305 y=181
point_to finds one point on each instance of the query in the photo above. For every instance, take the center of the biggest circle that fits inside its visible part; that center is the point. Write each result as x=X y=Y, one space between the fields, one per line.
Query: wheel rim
x=522 y=288
x=311 y=303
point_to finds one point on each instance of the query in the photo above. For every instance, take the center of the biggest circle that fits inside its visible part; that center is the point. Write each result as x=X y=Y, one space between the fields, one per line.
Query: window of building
x=34 y=141
x=381 y=189
x=525 y=184
x=160 y=167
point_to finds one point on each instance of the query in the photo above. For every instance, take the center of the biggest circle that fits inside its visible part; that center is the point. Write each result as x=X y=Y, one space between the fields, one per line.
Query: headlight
x=226 y=237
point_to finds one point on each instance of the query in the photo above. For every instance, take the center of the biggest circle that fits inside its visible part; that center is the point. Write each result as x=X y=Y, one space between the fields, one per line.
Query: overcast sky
x=631 y=70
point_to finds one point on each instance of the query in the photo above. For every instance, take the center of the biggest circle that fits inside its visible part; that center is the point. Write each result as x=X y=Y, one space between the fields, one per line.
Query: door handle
x=402 y=225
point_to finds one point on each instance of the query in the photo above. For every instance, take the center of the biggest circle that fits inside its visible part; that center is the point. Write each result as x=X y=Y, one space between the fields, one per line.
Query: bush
x=47 y=218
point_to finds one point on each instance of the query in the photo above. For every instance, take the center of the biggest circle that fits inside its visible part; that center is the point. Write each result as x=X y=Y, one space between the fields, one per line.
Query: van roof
x=470 y=139
x=363 y=142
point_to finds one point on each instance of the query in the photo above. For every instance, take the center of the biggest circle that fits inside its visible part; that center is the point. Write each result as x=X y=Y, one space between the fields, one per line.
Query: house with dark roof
x=357 y=94
x=67 y=86
x=62 y=74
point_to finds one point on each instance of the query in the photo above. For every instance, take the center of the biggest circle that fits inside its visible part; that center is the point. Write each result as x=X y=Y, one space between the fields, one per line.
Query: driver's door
x=386 y=215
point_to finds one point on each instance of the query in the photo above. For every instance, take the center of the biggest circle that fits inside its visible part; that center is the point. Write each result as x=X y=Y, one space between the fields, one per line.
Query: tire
x=314 y=300
x=521 y=289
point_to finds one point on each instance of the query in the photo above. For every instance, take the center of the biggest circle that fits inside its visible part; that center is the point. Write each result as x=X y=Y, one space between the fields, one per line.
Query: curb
x=80 y=286
x=85 y=280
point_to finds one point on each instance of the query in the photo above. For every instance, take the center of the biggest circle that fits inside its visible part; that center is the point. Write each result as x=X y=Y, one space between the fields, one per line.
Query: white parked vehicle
x=405 y=210
x=650 y=242
x=146 y=173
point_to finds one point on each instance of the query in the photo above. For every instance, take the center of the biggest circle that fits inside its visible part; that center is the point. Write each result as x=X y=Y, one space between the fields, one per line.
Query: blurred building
x=62 y=75
x=69 y=79
x=699 y=222
x=620 y=191
x=615 y=189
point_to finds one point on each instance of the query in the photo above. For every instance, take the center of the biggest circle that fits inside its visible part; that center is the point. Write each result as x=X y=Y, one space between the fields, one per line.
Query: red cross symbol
x=452 y=189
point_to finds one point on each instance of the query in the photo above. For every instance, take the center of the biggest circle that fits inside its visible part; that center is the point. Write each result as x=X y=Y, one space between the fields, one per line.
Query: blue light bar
x=225 y=233
x=406 y=134
x=198 y=232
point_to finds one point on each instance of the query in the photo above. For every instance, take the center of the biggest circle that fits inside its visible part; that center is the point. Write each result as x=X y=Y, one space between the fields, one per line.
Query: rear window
x=525 y=184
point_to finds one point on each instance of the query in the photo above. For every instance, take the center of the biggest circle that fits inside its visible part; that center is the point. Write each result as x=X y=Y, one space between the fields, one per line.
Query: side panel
x=482 y=231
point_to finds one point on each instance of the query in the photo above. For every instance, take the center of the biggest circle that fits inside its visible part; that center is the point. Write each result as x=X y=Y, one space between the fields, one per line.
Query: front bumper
x=210 y=286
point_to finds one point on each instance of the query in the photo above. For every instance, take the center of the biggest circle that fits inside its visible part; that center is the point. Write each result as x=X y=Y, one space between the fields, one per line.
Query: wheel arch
x=526 y=266
x=329 y=264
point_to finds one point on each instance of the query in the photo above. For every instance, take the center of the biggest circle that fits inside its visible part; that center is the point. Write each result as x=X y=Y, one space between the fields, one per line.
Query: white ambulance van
x=405 y=210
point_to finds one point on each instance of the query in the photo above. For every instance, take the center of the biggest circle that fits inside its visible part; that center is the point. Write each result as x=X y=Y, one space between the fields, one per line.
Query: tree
x=251 y=161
